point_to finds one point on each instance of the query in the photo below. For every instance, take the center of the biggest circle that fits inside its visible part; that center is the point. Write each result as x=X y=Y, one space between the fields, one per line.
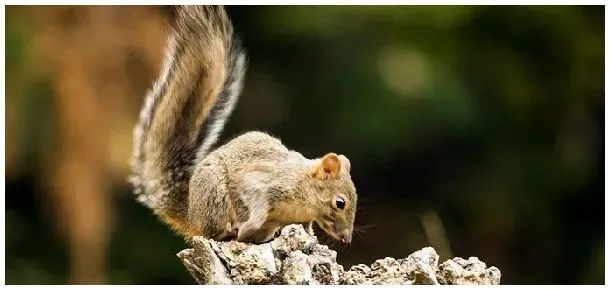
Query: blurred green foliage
x=490 y=116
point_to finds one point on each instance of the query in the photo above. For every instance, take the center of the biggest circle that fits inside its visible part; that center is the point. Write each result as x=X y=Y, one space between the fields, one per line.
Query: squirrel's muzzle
x=346 y=236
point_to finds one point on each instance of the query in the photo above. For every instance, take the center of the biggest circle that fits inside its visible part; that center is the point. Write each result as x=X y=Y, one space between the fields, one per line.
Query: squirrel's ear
x=328 y=167
x=345 y=164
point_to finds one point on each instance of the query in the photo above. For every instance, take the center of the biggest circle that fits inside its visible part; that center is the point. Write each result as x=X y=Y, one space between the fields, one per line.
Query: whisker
x=365 y=226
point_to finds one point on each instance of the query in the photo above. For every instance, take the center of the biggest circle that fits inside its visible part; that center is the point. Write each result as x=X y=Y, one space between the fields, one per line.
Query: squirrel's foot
x=230 y=233
x=308 y=228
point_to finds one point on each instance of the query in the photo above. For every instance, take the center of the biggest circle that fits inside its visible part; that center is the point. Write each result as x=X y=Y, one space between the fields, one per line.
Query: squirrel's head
x=332 y=184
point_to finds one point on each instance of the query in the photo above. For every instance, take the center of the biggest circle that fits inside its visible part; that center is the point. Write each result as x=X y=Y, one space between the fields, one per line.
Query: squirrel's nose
x=346 y=237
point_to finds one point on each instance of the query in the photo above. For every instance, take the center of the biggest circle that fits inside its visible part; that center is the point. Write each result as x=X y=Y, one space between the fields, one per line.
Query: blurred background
x=476 y=130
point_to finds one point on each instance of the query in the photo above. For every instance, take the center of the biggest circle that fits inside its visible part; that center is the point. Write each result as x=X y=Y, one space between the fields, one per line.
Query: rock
x=468 y=272
x=357 y=275
x=323 y=262
x=421 y=266
x=255 y=265
x=296 y=258
x=387 y=271
x=293 y=238
x=203 y=263
x=296 y=269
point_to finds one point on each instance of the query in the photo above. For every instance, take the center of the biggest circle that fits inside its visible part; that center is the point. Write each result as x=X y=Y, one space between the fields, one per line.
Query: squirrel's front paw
x=309 y=228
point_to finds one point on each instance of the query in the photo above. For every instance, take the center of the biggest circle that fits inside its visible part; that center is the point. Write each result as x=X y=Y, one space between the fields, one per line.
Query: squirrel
x=246 y=189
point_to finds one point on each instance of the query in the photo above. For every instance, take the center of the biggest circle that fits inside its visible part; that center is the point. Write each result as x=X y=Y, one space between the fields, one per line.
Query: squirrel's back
x=224 y=187
x=186 y=110
x=254 y=147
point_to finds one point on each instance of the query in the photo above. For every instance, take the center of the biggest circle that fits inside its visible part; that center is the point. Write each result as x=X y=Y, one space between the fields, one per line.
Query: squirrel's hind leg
x=230 y=233
x=257 y=229
x=257 y=236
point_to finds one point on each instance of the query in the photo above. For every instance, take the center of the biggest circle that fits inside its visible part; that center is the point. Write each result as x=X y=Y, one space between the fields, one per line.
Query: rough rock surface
x=296 y=258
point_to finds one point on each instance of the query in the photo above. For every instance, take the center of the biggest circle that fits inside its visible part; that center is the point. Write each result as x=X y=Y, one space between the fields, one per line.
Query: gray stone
x=293 y=238
x=421 y=266
x=296 y=270
x=296 y=258
x=203 y=263
x=357 y=275
x=459 y=271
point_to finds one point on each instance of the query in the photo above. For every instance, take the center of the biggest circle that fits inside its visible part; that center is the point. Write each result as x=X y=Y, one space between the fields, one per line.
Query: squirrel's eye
x=340 y=202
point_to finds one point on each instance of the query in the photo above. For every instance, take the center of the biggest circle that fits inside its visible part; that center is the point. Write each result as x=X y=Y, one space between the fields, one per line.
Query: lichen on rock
x=296 y=258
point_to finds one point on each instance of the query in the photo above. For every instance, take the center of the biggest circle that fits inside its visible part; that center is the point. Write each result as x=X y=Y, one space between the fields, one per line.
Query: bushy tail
x=188 y=106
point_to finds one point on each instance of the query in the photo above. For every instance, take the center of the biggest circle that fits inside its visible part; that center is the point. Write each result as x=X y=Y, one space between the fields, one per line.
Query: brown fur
x=275 y=182
x=246 y=189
